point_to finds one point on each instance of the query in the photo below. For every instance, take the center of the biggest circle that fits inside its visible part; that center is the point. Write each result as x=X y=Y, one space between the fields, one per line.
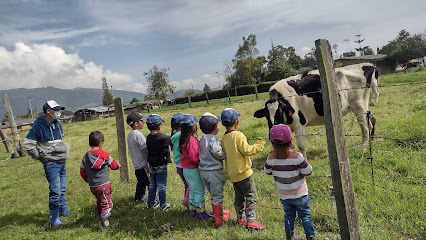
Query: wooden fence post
x=121 y=139
x=229 y=96
x=6 y=141
x=189 y=101
x=347 y=214
x=12 y=123
x=235 y=90
x=255 y=91
x=35 y=112
x=207 y=98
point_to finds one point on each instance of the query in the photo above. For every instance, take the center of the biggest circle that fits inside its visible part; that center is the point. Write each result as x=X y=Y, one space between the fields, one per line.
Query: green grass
x=383 y=214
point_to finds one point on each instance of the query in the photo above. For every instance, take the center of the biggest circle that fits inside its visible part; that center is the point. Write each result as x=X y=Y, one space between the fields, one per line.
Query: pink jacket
x=189 y=156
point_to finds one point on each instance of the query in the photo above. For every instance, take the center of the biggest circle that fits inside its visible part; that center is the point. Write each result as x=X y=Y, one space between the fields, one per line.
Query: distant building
x=21 y=124
x=378 y=60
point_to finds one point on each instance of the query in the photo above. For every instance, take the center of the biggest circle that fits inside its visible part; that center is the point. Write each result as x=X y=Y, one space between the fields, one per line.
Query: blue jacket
x=44 y=131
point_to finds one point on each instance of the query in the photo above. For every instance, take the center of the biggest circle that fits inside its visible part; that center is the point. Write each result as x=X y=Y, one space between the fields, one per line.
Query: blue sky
x=68 y=44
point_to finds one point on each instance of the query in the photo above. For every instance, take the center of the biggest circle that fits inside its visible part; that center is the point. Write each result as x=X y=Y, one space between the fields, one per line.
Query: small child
x=136 y=143
x=289 y=169
x=158 y=157
x=94 y=170
x=211 y=157
x=238 y=168
x=176 y=118
x=188 y=146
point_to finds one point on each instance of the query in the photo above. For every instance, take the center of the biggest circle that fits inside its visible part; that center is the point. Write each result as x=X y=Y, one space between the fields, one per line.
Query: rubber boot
x=217 y=214
x=105 y=222
x=251 y=220
x=289 y=236
x=54 y=218
x=63 y=211
x=203 y=215
x=312 y=237
x=192 y=213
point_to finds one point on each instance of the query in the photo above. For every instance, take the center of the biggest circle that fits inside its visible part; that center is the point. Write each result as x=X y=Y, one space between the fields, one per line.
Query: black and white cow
x=287 y=105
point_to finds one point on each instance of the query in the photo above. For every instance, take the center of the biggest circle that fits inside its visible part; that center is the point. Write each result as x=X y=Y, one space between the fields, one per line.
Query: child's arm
x=267 y=168
x=193 y=151
x=215 y=148
x=304 y=167
x=113 y=164
x=83 y=172
x=249 y=150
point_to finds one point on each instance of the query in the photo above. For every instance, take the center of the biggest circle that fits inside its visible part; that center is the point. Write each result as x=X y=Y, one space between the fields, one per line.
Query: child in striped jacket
x=289 y=169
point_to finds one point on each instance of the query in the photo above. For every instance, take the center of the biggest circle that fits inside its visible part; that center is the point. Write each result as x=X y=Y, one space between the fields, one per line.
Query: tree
x=206 y=88
x=189 y=93
x=134 y=100
x=246 y=67
x=282 y=62
x=158 y=83
x=368 y=50
x=404 y=47
x=107 y=98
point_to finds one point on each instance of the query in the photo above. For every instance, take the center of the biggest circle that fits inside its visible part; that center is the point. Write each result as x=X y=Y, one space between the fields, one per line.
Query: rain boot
x=63 y=211
x=217 y=214
x=54 y=218
x=105 y=222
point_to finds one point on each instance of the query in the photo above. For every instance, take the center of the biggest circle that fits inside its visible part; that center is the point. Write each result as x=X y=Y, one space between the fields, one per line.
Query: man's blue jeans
x=301 y=205
x=56 y=175
x=157 y=181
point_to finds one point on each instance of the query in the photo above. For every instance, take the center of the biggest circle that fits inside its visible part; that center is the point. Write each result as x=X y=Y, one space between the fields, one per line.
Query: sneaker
x=255 y=226
x=165 y=207
x=155 y=205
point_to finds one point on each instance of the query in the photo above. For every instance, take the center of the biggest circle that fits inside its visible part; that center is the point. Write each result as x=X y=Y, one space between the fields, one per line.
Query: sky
x=69 y=44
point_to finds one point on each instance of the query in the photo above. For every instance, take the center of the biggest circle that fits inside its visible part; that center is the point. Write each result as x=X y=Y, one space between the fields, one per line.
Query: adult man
x=45 y=143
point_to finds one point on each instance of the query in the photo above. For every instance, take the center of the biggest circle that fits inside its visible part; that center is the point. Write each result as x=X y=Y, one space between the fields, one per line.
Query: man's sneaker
x=165 y=207
x=255 y=226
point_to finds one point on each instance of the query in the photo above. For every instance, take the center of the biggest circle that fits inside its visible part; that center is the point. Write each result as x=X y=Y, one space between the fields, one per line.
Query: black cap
x=134 y=117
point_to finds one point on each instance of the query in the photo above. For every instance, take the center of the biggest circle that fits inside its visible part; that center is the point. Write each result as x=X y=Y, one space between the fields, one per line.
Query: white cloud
x=198 y=83
x=305 y=50
x=42 y=65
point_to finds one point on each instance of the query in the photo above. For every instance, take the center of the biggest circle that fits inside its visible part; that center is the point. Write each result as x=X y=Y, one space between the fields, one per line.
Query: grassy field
x=395 y=210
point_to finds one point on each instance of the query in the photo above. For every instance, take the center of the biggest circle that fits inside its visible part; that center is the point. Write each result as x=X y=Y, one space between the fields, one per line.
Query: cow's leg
x=300 y=133
x=361 y=116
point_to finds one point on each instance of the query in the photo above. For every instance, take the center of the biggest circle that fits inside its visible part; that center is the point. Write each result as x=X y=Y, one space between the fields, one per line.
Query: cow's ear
x=260 y=113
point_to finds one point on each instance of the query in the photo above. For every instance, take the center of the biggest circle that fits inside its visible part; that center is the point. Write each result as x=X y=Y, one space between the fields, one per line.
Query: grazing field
x=393 y=209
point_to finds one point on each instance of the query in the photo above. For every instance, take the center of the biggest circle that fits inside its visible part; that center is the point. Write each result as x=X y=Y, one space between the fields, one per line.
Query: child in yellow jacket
x=238 y=168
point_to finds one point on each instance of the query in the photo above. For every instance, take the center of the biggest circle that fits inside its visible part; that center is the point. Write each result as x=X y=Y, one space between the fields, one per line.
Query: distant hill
x=71 y=99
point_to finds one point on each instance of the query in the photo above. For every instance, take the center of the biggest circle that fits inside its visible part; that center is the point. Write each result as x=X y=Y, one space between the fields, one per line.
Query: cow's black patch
x=368 y=74
x=301 y=117
x=310 y=85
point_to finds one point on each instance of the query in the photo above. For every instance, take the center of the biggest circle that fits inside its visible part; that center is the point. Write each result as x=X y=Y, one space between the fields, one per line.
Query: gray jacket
x=210 y=152
x=57 y=153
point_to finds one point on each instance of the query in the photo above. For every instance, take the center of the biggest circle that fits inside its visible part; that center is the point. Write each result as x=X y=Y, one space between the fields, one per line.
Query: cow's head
x=277 y=110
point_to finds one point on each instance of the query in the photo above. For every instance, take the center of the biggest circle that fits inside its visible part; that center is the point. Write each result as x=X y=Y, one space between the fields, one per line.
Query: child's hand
x=261 y=140
x=119 y=165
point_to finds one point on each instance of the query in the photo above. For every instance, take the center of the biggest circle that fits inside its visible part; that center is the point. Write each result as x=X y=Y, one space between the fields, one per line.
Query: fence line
x=398 y=209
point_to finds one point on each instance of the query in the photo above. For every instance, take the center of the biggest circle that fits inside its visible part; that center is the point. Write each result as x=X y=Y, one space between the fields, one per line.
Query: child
x=158 y=157
x=176 y=118
x=94 y=170
x=211 y=156
x=238 y=167
x=45 y=143
x=138 y=152
x=289 y=169
x=188 y=146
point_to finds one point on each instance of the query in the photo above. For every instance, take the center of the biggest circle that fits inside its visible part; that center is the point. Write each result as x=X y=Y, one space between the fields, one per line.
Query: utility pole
x=31 y=109
x=112 y=92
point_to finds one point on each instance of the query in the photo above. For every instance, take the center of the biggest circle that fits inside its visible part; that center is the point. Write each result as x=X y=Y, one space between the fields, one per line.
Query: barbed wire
x=397 y=209
x=393 y=229
x=397 y=191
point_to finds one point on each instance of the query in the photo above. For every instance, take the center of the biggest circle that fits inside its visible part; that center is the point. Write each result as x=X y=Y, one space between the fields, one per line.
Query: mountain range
x=71 y=99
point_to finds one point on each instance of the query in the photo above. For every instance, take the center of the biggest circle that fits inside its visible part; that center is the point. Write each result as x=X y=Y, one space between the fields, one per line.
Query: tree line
x=247 y=67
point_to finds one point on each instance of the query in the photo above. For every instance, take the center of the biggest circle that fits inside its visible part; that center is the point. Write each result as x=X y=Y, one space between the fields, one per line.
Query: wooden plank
x=6 y=141
x=12 y=123
x=340 y=171
x=121 y=139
